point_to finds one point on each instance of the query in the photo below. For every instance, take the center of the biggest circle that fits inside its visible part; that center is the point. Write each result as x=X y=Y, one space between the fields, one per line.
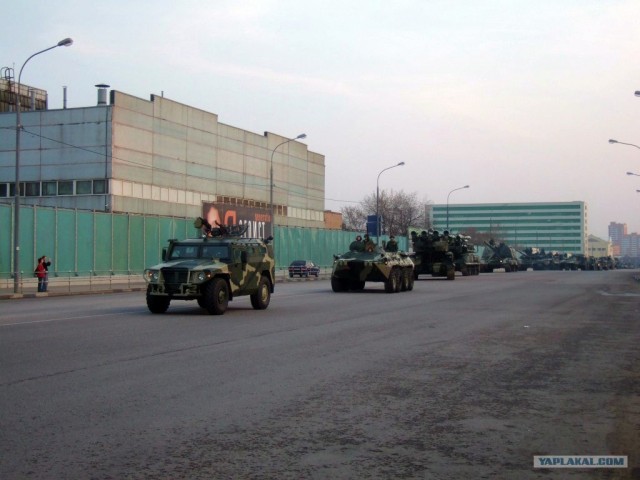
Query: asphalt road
x=455 y=380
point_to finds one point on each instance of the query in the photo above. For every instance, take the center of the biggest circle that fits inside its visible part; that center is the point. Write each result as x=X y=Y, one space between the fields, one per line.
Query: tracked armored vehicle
x=500 y=255
x=212 y=269
x=443 y=255
x=353 y=269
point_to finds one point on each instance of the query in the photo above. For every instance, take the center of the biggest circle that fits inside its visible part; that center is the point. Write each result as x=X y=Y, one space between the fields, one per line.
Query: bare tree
x=353 y=218
x=398 y=210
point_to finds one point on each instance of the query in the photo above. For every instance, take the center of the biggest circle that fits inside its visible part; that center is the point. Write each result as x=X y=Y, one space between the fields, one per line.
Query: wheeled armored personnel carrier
x=213 y=269
x=353 y=269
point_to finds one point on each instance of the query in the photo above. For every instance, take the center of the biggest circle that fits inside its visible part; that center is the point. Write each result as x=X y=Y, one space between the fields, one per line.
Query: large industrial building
x=157 y=157
x=551 y=226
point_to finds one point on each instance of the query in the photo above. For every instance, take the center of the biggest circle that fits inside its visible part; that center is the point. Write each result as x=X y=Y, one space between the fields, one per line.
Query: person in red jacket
x=41 y=273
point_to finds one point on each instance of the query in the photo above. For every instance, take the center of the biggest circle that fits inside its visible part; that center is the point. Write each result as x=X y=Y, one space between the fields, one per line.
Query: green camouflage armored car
x=353 y=269
x=213 y=270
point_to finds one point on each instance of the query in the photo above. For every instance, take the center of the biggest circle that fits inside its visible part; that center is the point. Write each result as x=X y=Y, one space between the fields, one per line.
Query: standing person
x=41 y=273
x=46 y=263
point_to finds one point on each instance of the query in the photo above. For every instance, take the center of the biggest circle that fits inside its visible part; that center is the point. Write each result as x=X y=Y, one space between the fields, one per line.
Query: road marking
x=47 y=320
x=607 y=294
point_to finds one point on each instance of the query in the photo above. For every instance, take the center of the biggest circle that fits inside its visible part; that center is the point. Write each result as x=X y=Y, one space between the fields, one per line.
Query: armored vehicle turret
x=353 y=269
x=212 y=269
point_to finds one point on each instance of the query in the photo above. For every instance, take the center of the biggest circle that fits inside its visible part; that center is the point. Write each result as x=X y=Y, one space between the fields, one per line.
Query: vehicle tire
x=216 y=296
x=404 y=279
x=356 y=285
x=157 y=303
x=201 y=302
x=391 y=284
x=260 y=300
x=451 y=273
x=411 y=279
x=398 y=280
x=339 y=284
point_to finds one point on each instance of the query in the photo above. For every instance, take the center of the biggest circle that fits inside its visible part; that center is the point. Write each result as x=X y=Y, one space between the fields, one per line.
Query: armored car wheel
x=216 y=296
x=260 y=300
x=339 y=284
x=404 y=282
x=157 y=304
x=411 y=280
x=391 y=284
x=356 y=285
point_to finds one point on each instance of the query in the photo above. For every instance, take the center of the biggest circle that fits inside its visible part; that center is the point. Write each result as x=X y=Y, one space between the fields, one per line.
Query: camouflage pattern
x=352 y=269
x=499 y=255
x=441 y=255
x=212 y=270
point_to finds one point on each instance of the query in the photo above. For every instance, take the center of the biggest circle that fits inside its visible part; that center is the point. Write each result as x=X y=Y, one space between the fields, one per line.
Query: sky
x=515 y=98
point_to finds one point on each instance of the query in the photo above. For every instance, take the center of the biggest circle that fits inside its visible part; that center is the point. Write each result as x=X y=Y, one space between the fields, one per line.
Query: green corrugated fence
x=95 y=243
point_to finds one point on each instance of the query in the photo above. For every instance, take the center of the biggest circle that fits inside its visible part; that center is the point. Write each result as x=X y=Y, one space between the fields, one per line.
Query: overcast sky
x=515 y=98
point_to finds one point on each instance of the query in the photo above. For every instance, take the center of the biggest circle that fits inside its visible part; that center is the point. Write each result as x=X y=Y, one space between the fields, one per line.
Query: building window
x=4 y=189
x=65 y=187
x=32 y=189
x=99 y=187
x=83 y=187
x=49 y=188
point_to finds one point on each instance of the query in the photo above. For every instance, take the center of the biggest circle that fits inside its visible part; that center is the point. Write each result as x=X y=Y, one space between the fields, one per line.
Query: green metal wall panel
x=27 y=241
x=45 y=233
x=120 y=259
x=103 y=243
x=64 y=257
x=6 y=238
x=86 y=244
x=136 y=243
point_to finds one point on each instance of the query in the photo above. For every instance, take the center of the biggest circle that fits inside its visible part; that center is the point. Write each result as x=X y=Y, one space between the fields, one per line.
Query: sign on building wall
x=257 y=219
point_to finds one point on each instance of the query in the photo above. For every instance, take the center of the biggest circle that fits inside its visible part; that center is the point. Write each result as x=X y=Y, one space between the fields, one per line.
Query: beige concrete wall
x=165 y=144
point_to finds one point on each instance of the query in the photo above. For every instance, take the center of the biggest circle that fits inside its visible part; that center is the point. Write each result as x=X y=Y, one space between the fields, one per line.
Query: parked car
x=304 y=268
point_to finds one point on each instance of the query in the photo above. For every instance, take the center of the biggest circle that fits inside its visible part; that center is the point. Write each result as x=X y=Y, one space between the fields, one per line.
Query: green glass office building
x=552 y=226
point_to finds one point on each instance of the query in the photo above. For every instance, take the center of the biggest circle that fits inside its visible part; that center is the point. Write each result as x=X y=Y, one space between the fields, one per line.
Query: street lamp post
x=273 y=211
x=16 y=208
x=611 y=140
x=460 y=188
x=399 y=164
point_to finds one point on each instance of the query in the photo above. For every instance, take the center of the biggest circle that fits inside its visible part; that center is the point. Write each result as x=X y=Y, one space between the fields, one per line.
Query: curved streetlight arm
x=399 y=164
x=16 y=222
x=634 y=174
x=273 y=211
x=460 y=188
x=611 y=140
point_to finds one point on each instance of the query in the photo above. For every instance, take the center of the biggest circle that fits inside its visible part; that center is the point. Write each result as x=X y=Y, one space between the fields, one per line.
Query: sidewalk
x=87 y=285
x=73 y=286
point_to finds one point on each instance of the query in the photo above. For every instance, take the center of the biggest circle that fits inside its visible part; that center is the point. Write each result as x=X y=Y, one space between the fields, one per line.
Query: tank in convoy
x=499 y=255
x=367 y=262
x=443 y=255
x=213 y=269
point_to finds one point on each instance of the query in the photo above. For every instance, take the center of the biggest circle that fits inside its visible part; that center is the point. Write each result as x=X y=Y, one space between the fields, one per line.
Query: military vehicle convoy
x=213 y=269
x=443 y=255
x=353 y=269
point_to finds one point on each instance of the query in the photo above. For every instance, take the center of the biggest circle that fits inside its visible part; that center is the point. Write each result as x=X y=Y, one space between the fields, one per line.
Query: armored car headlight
x=151 y=275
